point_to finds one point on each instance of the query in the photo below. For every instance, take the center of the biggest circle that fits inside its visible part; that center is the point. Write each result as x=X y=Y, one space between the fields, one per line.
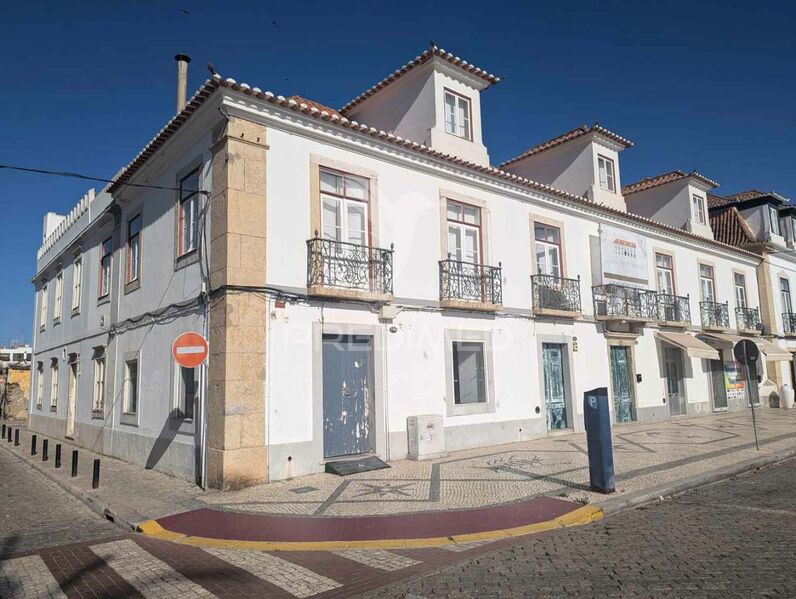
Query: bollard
x=58 y=455
x=16 y=437
x=45 y=454
x=9 y=434
x=4 y=431
x=33 y=445
x=74 y=463
x=95 y=474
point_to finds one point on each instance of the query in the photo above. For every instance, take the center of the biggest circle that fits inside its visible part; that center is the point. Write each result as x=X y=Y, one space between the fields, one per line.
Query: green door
x=718 y=385
x=623 y=386
x=554 y=390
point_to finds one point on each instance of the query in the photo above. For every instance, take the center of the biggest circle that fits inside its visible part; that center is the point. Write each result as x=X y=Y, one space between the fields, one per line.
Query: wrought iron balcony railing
x=341 y=265
x=674 y=308
x=748 y=319
x=553 y=293
x=470 y=282
x=715 y=315
x=621 y=302
x=789 y=322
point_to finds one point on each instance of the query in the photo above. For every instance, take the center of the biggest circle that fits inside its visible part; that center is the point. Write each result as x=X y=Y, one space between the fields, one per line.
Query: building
x=354 y=268
x=15 y=353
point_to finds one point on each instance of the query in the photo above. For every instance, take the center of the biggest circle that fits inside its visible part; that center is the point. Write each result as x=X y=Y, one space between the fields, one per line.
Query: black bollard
x=33 y=445
x=74 y=463
x=9 y=434
x=16 y=437
x=4 y=431
x=57 y=455
x=45 y=453
x=95 y=474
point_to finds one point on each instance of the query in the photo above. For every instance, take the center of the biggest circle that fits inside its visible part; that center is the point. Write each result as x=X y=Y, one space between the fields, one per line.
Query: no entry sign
x=189 y=350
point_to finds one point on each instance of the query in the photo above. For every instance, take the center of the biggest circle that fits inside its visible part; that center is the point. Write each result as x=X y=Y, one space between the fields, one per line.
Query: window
x=773 y=215
x=664 y=270
x=133 y=249
x=54 y=386
x=344 y=207
x=189 y=213
x=131 y=387
x=706 y=286
x=106 y=260
x=77 y=283
x=548 y=249
x=699 y=209
x=39 y=385
x=793 y=228
x=464 y=232
x=469 y=378
x=740 y=290
x=187 y=391
x=457 y=115
x=59 y=297
x=606 y=170
x=43 y=307
x=99 y=383
x=784 y=290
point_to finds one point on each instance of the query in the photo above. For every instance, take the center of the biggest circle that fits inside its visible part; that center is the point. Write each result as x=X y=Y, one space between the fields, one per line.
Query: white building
x=354 y=268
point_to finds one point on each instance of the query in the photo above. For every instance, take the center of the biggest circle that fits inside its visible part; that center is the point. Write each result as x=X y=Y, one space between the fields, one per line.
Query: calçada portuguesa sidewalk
x=493 y=492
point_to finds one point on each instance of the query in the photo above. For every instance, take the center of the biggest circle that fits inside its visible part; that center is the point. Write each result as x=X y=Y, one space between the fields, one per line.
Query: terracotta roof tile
x=749 y=194
x=569 y=136
x=715 y=201
x=314 y=104
x=650 y=182
x=731 y=228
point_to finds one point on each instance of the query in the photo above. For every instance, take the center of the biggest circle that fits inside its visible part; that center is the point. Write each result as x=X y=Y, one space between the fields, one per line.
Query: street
x=731 y=539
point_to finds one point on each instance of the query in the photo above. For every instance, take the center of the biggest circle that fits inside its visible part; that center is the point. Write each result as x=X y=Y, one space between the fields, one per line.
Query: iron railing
x=549 y=292
x=619 y=301
x=747 y=319
x=789 y=322
x=344 y=265
x=674 y=308
x=715 y=315
x=470 y=282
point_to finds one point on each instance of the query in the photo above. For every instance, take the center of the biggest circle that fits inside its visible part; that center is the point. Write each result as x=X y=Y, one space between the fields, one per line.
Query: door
x=718 y=385
x=753 y=393
x=622 y=384
x=70 y=400
x=554 y=389
x=673 y=380
x=348 y=400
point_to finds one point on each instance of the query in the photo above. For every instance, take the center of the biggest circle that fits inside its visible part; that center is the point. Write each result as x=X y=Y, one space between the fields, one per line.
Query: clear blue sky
x=705 y=85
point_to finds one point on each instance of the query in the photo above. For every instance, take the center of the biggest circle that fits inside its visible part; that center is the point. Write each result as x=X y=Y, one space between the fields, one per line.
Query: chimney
x=182 y=78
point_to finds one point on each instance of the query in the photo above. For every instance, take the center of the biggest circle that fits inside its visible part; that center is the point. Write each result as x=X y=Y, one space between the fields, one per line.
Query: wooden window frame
x=785 y=309
x=128 y=278
x=735 y=287
x=610 y=161
x=345 y=198
x=469 y=101
x=773 y=219
x=181 y=201
x=699 y=202
x=102 y=292
x=58 y=300
x=559 y=245
x=712 y=281
x=672 y=270
x=43 y=307
x=77 y=284
x=464 y=205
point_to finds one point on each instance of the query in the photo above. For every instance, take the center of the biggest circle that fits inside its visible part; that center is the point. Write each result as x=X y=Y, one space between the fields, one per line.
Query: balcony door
x=740 y=290
x=344 y=208
x=784 y=291
x=707 y=287
x=464 y=233
x=548 y=250
x=664 y=268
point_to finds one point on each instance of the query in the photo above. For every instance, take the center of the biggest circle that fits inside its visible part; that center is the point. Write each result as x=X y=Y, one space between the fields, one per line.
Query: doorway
x=348 y=395
x=555 y=396
x=718 y=386
x=71 y=400
x=673 y=377
x=622 y=384
x=753 y=389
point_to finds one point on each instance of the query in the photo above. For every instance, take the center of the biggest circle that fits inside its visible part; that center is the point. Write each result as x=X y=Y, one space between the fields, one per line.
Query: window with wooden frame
x=458 y=115
x=54 y=385
x=59 y=297
x=773 y=214
x=664 y=271
x=39 y=385
x=607 y=173
x=707 y=286
x=130 y=405
x=699 y=208
x=740 y=290
x=133 y=249
x=344 y=207
x=43 y=306
x=77 y=284
x=106 y=262
x=464 y=232
x=547 y=239
x=99 y=382
x=188 y=213
x=784 y=291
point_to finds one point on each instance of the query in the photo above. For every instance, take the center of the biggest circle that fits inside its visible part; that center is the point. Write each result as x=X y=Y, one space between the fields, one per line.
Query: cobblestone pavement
x=35 y=512
x=730 y=539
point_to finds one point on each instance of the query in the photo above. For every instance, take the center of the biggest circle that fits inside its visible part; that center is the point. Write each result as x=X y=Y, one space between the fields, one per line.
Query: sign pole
x=751 y=404
x=746 y=351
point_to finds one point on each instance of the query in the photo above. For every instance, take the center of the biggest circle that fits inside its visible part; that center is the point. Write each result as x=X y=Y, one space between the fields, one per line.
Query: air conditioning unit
x=426 y=437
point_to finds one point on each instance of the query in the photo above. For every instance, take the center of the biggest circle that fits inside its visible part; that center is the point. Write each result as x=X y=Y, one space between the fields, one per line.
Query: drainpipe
x=182 y=79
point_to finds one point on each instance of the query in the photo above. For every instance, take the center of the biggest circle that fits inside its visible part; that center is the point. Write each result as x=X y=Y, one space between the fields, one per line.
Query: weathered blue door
x=348 y=412
x=623 y=387
x=554 y=391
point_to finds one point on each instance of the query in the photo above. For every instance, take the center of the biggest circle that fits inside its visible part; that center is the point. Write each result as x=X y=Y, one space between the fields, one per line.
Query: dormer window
x=699 y=209
x=607 y=177
x=457 y=115
x=774 y=218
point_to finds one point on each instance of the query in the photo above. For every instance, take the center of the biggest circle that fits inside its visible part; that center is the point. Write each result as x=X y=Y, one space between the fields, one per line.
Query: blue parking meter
x=597 y=419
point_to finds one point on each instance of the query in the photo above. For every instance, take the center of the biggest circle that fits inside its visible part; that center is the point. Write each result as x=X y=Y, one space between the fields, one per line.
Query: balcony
x=714 y=315
x=674 y=310
x=470 y=286
x=747 y=320
x=555 y=296
x=618 y=302
x=347 y=270
x=789 y=323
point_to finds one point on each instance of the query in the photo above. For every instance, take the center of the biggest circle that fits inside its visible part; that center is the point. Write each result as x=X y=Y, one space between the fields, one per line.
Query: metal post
x=33 y=445
x=57 y=455
x=95 y=474
x=45 y=446
x=751 y=403
x=9 y=434
x=16 y=437
x=74 y=463
x=4 y=431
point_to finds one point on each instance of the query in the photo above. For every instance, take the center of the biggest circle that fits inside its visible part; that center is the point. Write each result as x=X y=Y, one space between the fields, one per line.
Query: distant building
x=15 y=354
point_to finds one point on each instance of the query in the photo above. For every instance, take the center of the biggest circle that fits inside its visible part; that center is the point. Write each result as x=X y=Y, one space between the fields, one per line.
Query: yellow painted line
x=577 y=517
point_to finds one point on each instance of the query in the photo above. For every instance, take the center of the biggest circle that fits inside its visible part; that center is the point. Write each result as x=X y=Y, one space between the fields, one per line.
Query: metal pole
x=16 y=437
x=45 y=450
x=33 y=445
x=749 y=395
x=74 y=463
x=58 y=455
x=95 y=474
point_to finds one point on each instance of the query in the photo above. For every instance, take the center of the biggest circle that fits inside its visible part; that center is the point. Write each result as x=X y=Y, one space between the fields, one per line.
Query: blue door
x=554 y=390
x=348 y=413
x=622 y=384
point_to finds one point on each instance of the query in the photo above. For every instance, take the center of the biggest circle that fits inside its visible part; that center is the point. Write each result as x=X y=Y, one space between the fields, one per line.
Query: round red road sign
x=189 y=350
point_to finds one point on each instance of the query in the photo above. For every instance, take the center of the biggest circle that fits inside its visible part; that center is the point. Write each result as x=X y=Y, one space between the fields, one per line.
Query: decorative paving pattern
x=28 y=578
x=378 y=558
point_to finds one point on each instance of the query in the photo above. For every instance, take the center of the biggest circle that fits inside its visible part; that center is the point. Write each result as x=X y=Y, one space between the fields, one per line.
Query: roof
x=313 y=104
x=731 y=228
x=650 y=182
x=715 y=201
x=569 y=136
x=333 y=118
x=755 y=194
x=432 y=51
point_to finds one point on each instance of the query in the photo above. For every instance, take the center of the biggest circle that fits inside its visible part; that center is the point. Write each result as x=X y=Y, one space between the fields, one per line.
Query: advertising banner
x=733 y=380
x=624 y=257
